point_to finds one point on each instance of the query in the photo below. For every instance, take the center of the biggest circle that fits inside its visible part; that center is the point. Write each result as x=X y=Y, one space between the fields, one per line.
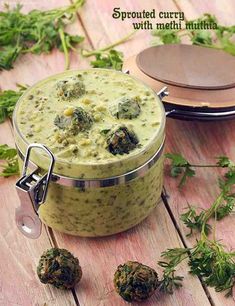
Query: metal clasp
x=32 y=191
x=163 y=93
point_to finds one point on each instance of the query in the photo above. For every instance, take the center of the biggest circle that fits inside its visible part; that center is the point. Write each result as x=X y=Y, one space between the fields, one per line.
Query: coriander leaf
x=218 y=37
x=169 y=281
x=188 y=172
x=225 y=209
x=35 y=32
x=8 y=56
x=177 y=159
x=111 y=60
x=179 y=165
x=223 y=161
x=210 y=261
x=8 y=99
x=194 y=221
x=201 y=37
x=8 y=161
x=207 y=259
x=167 y=36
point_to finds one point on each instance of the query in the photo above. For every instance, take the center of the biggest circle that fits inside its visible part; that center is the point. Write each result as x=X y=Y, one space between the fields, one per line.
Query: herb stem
x=209 y=46
x=120 y=41
x=65 y=49
x=201 y=166
x=210 y=212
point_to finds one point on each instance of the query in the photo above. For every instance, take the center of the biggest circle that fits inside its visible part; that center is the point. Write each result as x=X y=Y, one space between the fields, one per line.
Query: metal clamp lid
x=32 y=190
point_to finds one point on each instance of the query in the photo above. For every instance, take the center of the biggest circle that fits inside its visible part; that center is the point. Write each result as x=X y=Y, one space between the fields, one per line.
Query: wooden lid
x=188 y=66
x=185 y=96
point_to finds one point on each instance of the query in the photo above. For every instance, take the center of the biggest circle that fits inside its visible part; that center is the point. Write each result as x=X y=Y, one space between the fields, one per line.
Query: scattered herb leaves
x=108 y=57
x=36 y=32
x=208 y=258
x=8 y=161
x=8 y=99
x=221 y=37
x=179 y=165
x=169 y=280
x=194 y=221
x=111 y=59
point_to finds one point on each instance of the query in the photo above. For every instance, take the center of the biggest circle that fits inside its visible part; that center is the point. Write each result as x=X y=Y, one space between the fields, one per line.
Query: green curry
x=98 y=123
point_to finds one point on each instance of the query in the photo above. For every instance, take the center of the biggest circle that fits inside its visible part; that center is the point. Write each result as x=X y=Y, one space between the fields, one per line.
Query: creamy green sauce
x=99 y=97
x=75 y=114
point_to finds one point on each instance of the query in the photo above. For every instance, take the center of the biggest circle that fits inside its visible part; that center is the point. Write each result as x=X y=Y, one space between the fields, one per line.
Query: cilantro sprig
x=36 y=32
x=111 y=59
x=8 y=161
x=221 y=38
x=179 y=165
x=8 y=99
x=208 y=258
x=108 y=57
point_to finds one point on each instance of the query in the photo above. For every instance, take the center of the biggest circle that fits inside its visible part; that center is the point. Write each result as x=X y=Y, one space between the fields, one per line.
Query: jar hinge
x=32 y=191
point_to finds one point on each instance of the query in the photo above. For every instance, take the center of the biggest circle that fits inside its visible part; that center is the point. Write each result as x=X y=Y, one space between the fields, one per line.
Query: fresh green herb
x=219 y=37
x=208 y=259
x=179 y=165
x=9 y=162
x=162 y=37
x=224 y=161
x=8 y=99
x=36 y=32
x=226 y=208
x=194 y=221
x=107 y=57
x=170 y=281
x=111 y=59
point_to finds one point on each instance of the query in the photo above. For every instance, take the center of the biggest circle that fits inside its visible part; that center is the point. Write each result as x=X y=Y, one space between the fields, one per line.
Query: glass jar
x=88 y=199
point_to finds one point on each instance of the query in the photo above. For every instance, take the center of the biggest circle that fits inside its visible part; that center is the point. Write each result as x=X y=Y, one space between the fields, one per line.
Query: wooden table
x=199 y=142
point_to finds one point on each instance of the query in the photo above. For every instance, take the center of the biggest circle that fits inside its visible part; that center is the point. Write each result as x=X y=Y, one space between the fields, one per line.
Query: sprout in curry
x=59 y=268
x=134 y=281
